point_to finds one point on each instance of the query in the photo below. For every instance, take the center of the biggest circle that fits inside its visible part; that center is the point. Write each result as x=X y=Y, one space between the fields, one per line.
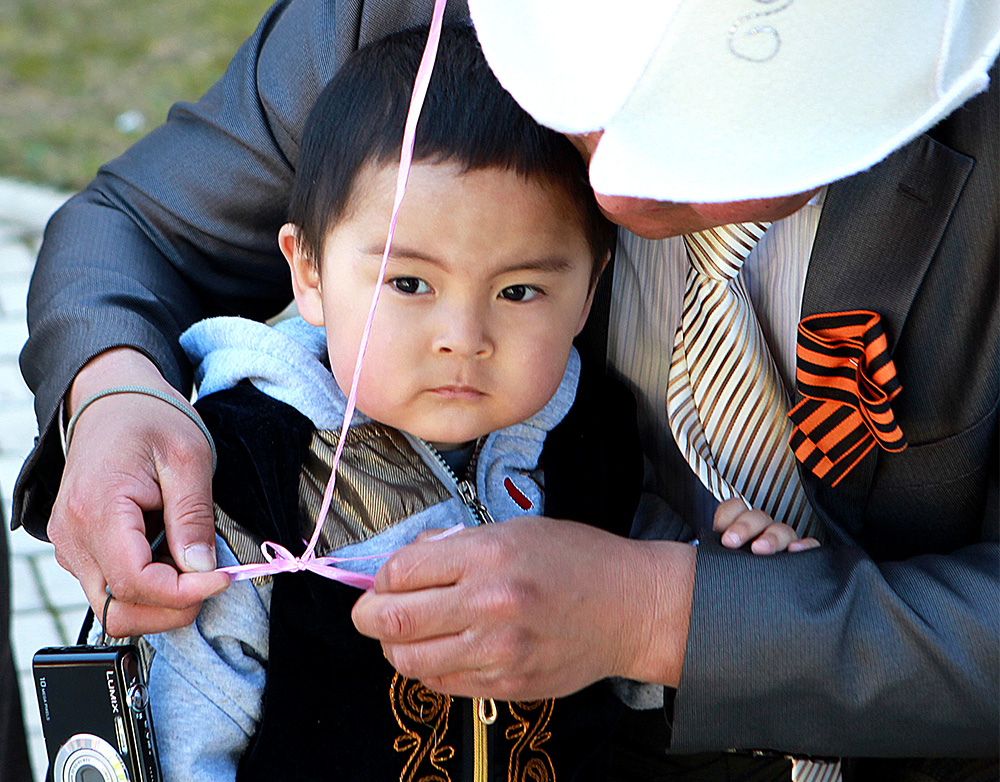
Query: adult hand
x=133 y=454
x=531 y=608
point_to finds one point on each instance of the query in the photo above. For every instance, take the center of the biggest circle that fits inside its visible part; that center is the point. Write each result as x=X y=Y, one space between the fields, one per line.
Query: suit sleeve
x=832 y=653
x=180 y=227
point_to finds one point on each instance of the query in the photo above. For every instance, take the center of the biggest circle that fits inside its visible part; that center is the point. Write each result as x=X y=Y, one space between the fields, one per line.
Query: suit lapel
x=876 y=239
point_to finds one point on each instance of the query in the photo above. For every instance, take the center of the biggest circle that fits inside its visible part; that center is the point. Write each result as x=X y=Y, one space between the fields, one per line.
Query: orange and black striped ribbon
x=848 y=380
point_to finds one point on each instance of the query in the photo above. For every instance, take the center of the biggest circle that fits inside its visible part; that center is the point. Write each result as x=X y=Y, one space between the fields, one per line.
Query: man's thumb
x=190 y=526
x=199 y=556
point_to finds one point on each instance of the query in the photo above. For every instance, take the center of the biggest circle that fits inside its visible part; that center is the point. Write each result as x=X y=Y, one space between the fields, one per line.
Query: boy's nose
x=462 y=331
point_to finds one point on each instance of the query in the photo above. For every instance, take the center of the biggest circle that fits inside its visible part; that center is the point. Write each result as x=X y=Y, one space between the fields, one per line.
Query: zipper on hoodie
x=484 y=710
x=465 y=488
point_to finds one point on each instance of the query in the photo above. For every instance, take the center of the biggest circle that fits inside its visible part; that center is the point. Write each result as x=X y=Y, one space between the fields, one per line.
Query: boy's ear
x=590 y=296
x=305 y=275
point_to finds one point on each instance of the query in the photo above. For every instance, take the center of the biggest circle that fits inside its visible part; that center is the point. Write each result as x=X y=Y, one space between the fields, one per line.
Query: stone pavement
x=48 y=604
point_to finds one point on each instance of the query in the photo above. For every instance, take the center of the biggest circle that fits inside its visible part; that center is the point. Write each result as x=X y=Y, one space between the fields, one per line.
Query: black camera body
x=95 y=714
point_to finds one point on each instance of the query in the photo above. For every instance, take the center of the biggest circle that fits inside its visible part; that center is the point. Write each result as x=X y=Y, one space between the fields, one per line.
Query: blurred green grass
x=81 y=80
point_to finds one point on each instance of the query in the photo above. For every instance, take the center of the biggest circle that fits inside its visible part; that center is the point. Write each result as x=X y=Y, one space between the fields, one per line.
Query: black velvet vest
x=333 y=708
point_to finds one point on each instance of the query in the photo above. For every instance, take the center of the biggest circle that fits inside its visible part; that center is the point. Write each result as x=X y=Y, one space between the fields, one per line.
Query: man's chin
x=652 y=224
x=652 y=219
x=648 y=218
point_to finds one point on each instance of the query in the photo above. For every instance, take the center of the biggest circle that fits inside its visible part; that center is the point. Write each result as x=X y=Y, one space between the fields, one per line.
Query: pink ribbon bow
x=280 y=560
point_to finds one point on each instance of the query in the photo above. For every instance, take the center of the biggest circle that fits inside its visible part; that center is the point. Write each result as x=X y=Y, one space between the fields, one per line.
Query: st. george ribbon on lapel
x=844 y=371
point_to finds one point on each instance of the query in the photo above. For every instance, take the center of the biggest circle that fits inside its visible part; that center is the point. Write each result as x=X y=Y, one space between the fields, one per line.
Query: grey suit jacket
x=888 y=639
x=900 y=616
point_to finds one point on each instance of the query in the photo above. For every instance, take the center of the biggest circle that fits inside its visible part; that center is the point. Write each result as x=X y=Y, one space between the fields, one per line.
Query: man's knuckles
x=394 y=623
x=184 y=450
x=503 y=601
x=190 y=510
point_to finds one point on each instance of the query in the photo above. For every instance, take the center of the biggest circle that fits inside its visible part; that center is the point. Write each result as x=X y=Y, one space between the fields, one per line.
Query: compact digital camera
x=95 y=714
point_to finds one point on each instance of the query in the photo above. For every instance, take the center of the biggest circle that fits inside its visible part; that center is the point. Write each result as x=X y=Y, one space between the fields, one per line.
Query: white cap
x=728 y=100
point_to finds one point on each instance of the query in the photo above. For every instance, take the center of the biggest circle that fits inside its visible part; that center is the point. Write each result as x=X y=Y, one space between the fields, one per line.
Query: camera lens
x=89 y=774
x=88 y=758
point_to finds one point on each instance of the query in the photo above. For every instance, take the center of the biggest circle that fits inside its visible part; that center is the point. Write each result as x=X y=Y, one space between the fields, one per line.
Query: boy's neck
x=456 y=456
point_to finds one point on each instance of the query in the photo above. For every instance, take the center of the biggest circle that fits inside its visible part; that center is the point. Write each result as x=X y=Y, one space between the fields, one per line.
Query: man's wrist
x=114 y=367
x=661 y=591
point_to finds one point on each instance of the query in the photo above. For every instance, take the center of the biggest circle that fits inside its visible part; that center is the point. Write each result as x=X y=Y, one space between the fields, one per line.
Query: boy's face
x=487 y=284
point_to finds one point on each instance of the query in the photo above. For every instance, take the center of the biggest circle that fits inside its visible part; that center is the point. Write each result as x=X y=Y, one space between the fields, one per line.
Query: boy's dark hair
x=467 y=118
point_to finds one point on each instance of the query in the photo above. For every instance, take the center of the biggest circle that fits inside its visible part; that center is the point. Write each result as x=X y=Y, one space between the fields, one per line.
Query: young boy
x=472 y=407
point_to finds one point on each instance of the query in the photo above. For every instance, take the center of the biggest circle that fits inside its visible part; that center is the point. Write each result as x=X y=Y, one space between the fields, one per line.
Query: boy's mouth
x=458 y=392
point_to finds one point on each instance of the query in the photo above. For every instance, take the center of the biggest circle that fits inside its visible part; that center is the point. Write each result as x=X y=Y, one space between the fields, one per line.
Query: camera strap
x=88 y=620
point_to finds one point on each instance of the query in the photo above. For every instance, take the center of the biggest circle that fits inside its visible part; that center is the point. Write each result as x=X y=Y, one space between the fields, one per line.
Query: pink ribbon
x=282 y=560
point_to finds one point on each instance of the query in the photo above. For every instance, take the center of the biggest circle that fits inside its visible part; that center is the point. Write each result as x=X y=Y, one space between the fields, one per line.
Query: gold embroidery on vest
x=422 y=715
x=529 y=762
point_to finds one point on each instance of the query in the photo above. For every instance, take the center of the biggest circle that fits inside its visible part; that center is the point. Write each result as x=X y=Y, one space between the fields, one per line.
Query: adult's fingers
x=531 y=607
x=404 y=617
x=417 y=592
x=430 y=563
x=493 y=597
x=184 y=470
x=121 y=448
x=453 y=666
x=127 y=618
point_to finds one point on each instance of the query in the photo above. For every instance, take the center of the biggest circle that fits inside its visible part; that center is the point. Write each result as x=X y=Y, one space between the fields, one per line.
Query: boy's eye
x=519 y=292
x=410 y=285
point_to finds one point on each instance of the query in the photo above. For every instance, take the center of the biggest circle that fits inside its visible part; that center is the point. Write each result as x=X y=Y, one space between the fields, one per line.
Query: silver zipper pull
x=467 y=492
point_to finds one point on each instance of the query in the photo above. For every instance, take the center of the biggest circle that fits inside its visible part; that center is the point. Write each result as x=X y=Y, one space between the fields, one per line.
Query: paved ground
x=48 y=604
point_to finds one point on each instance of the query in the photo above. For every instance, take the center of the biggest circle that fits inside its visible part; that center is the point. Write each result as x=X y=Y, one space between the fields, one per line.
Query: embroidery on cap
x=756 y=43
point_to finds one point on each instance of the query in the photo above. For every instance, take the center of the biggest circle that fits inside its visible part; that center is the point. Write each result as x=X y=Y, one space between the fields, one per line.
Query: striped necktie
x=727 y=407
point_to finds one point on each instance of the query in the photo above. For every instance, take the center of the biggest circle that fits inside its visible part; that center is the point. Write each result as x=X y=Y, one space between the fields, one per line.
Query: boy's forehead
x=377 y=178
x=375 y=181
x=506 y=218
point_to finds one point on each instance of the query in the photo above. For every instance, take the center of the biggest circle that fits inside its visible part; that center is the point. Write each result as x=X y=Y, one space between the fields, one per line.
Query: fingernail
x=199 y=557
x=731 y=539
x=762 y=546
